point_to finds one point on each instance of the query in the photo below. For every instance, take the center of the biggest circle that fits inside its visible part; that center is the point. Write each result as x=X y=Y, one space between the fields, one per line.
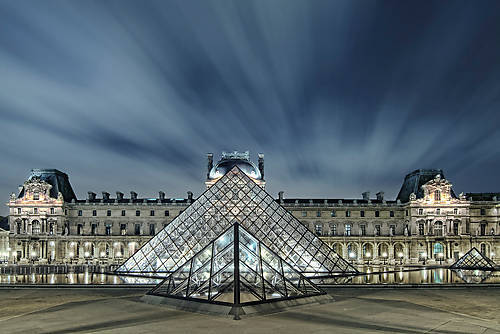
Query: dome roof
x=225 y=165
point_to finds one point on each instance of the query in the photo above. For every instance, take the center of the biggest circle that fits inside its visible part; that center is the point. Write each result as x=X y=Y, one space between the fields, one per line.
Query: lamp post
x=424 y=257
x=384 y=256
x=352 y=256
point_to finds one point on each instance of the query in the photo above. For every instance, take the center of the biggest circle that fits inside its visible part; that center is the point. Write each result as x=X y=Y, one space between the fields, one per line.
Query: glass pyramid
x=236 y=269
x=473 y=259
x=235 y=198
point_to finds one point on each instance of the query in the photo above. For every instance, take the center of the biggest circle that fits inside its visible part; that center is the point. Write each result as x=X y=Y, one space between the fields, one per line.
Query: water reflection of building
x=427 y=222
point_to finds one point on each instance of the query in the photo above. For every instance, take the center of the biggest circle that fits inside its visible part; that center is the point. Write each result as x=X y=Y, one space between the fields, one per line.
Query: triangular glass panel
x=235 y=197
x=256 y=275
x=473 y=259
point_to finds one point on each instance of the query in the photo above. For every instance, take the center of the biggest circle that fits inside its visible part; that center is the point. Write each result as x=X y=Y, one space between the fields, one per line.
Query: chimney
x=190 y=196
x=280 y=196
x=133 y=195
x=161 y=195
x=105 y=195
x=380 y=196
x=261 y=165
x=91 y=195
x=366 y=195
x=119 y=195
x=210 y=163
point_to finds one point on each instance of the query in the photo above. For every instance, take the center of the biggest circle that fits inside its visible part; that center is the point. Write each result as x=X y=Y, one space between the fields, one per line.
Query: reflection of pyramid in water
x=236 y=270
x=473 y=259
x=235 y=198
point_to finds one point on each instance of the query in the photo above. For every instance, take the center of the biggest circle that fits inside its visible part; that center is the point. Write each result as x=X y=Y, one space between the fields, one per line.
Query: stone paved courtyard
x=356 y=310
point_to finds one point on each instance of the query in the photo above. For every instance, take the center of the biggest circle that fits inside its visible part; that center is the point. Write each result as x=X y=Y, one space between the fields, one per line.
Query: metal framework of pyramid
x=236 y=270
x=235 y=198
x=472 y=260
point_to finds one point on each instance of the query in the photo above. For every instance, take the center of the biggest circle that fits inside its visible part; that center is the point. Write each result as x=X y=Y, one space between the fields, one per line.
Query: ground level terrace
x=355 y=310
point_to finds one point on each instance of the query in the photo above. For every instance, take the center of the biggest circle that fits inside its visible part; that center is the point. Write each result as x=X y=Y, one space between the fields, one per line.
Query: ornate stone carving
x=13 y=197
x=413 y=197
x=35 y=185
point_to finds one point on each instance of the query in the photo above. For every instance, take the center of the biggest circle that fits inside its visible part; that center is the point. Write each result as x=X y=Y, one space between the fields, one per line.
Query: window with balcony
x=438 y=229
x=36 y=227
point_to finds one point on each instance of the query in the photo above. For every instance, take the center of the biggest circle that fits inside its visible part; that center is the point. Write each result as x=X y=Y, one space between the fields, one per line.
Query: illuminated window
x=437 y=195
x=438 y=248
x=348 y=229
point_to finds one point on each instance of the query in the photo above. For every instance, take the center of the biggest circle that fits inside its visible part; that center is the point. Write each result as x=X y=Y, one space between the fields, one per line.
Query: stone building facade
x=426 y=223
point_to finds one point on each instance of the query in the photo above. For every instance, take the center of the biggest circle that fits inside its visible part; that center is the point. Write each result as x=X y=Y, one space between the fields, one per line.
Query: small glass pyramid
x=235 y=197
x=473 y=259
x=236 y=269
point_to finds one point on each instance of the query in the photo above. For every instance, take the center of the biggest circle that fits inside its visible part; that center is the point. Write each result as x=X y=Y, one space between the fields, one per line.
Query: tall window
x=420 y=211
x=318 y=228
x=18 y=228
x=52 y=211
x=406 y=212
x=137 y=213
x=348 y=213
x=152 y=212
x=137 y=229
x=438 y=228
x=94 y=212
x=421 y=229
x=377 y=230
x=332 y=213
x=123 y=229
x=438 y=211
x=80 y=213
x=167 y=213
x=79 y=229
x=391 y=213
x=93 y=229
x=347 y=229
x=392 y=229
x=108 y=229
x=483 y=229
x=483 y=212
x=377 y=213
x=36 y=196
x=318 y=213
x=51 y=228
x=437 y=195
x=36 y=227
x=108 y=213
x=362 y=213
x=455 y=228
x=123 y=213
x=455 y=211
x=438 y=249
x=151 y=229
x=333 y=229
x=363 y=229
x=483 y=249
x=304 y=213
x=35 y=211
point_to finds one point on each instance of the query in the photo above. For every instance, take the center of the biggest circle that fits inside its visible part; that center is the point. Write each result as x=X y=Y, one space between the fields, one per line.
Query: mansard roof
x=331 y=201
x=483 y=196
x=57 y=179
x=414 y=181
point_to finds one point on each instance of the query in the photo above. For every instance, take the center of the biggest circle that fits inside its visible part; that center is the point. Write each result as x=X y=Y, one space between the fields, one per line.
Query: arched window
x=438 y=228
x=35 y=227
x=437 y=195
x=438 y=248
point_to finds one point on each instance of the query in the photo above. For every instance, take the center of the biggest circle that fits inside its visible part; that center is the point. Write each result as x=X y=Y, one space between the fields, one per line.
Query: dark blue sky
x=341 y=96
